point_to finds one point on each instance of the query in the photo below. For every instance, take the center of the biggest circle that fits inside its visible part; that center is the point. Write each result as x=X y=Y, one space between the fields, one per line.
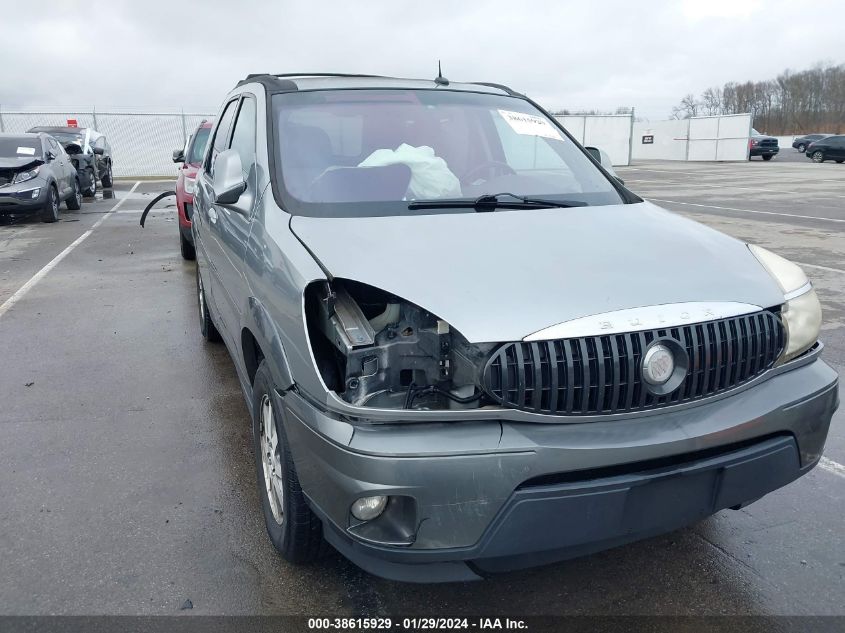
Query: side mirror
x=99 y=151
x=50 y=155
x=595 y=152
x=228 y=181
x=603 y=159
x=178 y=156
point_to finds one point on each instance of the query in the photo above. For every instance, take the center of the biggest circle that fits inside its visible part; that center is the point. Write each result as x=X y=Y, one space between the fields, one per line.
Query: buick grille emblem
x=658 y=364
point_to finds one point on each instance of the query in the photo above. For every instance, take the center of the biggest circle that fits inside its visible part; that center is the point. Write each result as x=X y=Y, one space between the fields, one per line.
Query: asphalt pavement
x=125 y=454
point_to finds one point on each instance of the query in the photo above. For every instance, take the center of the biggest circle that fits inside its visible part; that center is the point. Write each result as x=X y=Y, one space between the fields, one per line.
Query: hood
x=504 y=275
x=19 y=163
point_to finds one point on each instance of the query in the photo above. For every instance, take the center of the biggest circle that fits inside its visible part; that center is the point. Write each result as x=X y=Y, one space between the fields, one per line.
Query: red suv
x=191 y=158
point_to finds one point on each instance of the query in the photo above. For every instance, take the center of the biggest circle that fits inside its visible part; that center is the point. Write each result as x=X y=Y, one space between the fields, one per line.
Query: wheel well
x=253 y=355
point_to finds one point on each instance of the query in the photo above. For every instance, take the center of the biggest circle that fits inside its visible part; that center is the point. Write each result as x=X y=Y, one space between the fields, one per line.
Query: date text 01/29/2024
x=416 y=624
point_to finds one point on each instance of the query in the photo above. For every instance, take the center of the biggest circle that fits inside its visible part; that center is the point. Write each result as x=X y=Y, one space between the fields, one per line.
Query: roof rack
x=329 y=75
x=511 y=92
x=283 y=80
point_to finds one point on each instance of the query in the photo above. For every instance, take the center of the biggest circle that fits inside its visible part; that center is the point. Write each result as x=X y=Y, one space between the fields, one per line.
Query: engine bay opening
x=375 y=349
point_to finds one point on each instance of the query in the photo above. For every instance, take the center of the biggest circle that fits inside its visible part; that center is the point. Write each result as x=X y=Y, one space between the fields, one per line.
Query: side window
x=221 y=135
x=243 y=138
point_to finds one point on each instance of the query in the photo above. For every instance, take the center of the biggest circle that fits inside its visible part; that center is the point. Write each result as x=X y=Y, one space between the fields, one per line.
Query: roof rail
x=328 y=75
x=510 y=91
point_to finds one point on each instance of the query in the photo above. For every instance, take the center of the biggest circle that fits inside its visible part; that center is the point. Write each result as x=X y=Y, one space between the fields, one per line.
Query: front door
x=207 y=217
x=233 y=220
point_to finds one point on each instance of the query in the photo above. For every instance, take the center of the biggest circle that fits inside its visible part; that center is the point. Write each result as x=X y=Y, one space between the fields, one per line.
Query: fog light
x=368 y=508
x=35 y=193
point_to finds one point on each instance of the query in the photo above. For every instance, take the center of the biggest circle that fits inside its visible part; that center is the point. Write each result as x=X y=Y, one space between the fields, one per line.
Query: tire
x=768 y=156
x=91 y=190
x=51 y=206
x=840 y=160
x=818 y=157
x=188 y=251
x=802 y=148
x=106 y=178
x=207 y=328
x=294 y=530
x=74 y=203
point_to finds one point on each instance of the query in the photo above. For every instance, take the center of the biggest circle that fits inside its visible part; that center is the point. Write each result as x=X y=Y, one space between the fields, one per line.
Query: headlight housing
x=801 y=312
x=23 y=176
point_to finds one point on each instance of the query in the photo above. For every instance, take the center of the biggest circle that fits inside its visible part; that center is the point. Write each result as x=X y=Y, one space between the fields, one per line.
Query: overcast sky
x=566 y=54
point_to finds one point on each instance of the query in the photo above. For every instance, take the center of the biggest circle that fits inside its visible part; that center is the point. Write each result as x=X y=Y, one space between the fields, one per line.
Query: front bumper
x=485 y=497
x=763 y=151
x=19 y=198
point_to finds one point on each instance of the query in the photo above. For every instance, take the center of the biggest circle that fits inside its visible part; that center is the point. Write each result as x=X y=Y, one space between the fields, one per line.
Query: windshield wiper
x=492 y=201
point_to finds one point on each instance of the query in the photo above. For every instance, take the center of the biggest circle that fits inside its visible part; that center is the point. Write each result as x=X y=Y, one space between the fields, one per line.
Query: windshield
x=20 y=148
x=197 y=146
x=371 y=152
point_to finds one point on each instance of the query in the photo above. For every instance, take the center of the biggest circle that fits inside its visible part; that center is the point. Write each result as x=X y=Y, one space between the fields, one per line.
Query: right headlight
x=23 y=176
x=801 y=312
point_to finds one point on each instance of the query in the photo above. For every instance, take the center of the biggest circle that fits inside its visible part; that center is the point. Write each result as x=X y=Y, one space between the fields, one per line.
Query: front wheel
x=802 y=148
x=74 y=203
x=768 y=157
x=818 y=157
x=840 y=160
x=51 y=207
x=91 y=189
x=294 y=529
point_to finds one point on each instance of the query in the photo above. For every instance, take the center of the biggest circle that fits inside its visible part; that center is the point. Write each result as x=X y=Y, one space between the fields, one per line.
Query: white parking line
x=827 y=268
x=832 y=467
x=21 y=292
x=713 y=206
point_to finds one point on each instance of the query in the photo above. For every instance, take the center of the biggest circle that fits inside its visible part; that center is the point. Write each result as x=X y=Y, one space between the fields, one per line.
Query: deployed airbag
x=430 y=175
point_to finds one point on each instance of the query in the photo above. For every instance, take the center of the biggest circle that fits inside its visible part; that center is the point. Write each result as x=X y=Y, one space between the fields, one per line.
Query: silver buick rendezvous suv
x=468 y=348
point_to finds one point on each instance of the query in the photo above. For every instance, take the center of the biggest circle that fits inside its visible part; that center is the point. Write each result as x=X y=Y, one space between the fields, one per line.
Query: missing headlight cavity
x=378 y=350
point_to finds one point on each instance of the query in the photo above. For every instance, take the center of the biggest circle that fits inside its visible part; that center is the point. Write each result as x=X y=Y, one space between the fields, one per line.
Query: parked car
x=762 y=145
x=801 y=142
x=828 y=148
x=36 y=175
x=191 y=157
x=446 y=379
x=90 y=152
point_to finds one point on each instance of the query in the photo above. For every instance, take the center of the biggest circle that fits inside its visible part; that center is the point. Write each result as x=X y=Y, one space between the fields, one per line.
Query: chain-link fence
x=142 y=142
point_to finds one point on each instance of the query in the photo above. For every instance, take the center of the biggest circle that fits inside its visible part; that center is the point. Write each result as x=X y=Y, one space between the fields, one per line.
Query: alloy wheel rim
x=201 y=298
x=270 y=460
x=817 y=157
x=54 y=202
x=78 y=194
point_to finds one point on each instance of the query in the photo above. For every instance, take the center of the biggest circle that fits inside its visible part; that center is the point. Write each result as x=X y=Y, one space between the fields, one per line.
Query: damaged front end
x=374 y=349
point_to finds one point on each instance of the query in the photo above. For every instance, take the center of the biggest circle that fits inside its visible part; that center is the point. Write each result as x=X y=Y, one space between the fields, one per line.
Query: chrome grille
x=602 y=374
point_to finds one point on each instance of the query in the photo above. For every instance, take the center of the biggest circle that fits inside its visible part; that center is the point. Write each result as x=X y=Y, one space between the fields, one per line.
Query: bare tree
x=711 y=100
x=688 y=107
x=810 y=100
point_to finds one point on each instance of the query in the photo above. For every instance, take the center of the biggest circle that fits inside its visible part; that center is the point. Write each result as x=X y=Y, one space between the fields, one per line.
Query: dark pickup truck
x=762 y=145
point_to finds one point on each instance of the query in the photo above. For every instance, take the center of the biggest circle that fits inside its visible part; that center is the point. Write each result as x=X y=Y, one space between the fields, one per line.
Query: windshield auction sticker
x=530 y=124
x=27 y=151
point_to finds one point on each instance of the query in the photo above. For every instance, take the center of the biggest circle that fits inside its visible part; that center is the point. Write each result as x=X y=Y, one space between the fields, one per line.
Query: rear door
x=63 y=169
x=837 y=148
